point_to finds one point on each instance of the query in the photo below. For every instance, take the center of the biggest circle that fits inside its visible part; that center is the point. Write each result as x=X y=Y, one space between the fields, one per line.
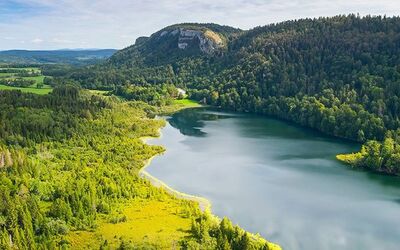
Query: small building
x=181 y=92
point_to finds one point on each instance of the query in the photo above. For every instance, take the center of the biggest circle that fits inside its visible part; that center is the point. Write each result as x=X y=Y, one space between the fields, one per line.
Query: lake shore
x=204 y=204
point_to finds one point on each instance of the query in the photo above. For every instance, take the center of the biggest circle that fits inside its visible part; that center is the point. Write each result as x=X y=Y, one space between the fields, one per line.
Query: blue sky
x=56 y=24
x=10 y=8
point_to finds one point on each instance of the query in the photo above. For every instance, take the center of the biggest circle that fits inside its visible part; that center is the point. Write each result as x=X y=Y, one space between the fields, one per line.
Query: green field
x=43 y=91
x=6 y=74
x=179 y=104
x=32 y=88
x=156 y=223
x=99 y=92
x=37 y=79
x=186 y=102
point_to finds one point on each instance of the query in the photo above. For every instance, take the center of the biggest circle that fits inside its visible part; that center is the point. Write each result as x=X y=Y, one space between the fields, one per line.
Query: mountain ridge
x=68 y=56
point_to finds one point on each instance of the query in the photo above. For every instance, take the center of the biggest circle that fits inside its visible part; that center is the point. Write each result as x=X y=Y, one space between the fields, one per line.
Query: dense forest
x=70 y=158
x=339 y=75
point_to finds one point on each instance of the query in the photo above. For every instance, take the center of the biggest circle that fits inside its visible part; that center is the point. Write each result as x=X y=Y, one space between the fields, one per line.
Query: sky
x=60 y=24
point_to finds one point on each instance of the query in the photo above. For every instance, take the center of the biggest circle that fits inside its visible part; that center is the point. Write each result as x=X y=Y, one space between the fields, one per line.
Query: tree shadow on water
x=191 y=122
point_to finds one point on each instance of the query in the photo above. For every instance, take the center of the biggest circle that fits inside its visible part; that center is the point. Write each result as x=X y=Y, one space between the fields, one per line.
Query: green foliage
x=378 y=156
x=35 y=90
x=159 y=95
x=208 y=233
x=17 y=82
x=53 y=152
x=68 y=159
x=339 y=75
x=24 y=78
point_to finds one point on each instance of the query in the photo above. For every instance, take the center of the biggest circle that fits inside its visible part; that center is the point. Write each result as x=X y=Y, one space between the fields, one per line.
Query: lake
x=280 y=180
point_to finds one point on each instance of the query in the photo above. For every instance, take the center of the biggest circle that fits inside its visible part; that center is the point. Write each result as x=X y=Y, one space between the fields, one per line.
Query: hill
x=339 y=75
x=176 y=42
x=76 y=57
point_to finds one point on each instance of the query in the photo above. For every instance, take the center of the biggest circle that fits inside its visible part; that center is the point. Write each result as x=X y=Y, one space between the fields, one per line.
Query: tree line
x=339 y=75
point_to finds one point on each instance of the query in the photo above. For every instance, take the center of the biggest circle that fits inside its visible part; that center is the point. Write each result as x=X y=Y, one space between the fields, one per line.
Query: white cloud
x=116 y=24
x=37 y=40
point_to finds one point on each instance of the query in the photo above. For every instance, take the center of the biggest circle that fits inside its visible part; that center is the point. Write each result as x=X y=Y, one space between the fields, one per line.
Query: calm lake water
x=280 y=180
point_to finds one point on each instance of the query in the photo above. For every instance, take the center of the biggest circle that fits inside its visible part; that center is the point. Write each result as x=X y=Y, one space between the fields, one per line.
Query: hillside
x=69 y=170
x=339 y=75
x=176 y=42
x=76 y=57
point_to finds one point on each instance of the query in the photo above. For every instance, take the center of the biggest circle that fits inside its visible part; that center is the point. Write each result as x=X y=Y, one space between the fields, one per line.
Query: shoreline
x=204 y=204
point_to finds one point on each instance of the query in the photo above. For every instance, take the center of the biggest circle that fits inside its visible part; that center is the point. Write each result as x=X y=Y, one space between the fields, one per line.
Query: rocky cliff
x=177 y=42
x=206 y=40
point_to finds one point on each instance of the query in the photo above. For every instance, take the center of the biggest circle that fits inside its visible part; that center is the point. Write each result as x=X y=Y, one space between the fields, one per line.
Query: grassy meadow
x=160 y=224
x=34 y=90
x=45 y=89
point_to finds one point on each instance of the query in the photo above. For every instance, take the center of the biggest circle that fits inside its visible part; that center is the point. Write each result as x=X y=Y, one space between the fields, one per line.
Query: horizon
x=62 y=49
x=35 y=24
x=116 y=49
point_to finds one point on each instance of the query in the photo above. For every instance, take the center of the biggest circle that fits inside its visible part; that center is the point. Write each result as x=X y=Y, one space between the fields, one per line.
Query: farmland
x=25 y=79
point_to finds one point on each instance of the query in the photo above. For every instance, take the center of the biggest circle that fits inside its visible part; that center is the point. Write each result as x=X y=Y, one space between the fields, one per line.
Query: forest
x=339 y=75
x=70 y=160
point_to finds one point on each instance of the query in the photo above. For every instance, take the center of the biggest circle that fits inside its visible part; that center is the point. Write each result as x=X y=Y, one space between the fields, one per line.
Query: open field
x=37 y=79
x=98 y=92
x=187 y=102
x=160 y=224
x=34 y=90
x=180 y=104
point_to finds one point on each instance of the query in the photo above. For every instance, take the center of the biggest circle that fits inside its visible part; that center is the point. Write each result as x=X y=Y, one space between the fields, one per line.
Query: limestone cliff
x=206 y=40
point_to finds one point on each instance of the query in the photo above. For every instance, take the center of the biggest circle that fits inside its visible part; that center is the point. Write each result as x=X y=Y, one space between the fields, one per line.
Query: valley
x=206 y=136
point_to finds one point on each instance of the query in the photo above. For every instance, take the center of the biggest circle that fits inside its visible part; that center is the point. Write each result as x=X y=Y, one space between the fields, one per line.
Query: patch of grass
x=5 y=75
x=37 y=79
x=178 y=105
x=147 y=222
x=43 y=91
x=186 y=102
x=98 y=92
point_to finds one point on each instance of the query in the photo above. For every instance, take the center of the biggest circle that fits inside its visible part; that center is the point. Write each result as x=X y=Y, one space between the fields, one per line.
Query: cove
x=279 y=180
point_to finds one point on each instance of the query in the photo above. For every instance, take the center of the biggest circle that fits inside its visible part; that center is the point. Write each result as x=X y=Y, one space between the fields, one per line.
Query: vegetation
x=339 y=75
x=69 y=171
x=39 y=91
x=24 y=78
x=378 y=156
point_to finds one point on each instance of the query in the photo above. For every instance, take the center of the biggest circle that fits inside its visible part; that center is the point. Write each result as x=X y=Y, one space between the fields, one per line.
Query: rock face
x=207 y=41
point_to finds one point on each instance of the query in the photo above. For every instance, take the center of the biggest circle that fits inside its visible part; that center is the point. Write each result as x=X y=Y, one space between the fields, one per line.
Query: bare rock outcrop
x=207 y=41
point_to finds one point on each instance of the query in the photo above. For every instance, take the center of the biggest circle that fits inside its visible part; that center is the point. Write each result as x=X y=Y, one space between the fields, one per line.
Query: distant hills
x=67 y=56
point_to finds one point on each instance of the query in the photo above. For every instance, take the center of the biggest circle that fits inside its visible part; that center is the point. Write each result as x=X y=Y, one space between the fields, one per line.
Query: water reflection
x=191 y=123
